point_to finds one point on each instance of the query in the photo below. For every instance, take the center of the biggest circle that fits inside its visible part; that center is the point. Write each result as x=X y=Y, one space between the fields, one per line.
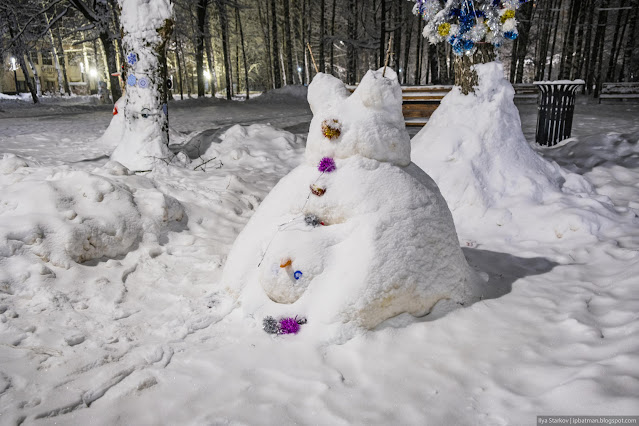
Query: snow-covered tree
x=146 y=27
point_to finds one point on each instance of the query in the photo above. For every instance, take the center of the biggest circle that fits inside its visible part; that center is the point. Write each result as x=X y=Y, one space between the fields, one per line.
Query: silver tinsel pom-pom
x=312 y=220
x=271 y=325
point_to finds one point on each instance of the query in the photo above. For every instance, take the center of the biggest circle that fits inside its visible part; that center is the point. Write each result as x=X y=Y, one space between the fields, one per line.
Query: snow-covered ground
x=112 y=312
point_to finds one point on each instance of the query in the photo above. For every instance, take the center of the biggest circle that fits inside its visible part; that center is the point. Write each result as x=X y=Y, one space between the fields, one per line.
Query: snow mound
x=370 y=121
x=283 y=94
x=63 y=215
x=378 y=242
x=11 y=162
x=115 y=132
x=475 y=150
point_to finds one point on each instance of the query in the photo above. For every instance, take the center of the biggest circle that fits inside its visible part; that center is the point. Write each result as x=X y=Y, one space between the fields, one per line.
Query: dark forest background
x=231 y=47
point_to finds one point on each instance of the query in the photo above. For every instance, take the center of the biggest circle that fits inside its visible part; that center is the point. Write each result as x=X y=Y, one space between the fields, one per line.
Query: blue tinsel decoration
x=466 y=22
x=467 y=44
x=510 y=35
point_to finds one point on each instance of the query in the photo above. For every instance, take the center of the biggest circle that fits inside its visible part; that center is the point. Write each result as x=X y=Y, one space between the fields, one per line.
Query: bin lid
x=557 y=82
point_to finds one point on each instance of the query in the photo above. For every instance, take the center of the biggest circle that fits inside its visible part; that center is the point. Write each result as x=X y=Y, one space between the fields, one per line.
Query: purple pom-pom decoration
x=326 y=165
x=289 y=326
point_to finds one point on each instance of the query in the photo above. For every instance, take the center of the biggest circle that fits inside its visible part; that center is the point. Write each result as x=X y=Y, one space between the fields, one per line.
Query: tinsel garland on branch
x=466 y=23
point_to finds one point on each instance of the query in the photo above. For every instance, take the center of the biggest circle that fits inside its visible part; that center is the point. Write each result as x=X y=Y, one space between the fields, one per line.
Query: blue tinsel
x=466 y=22
x=510 y=35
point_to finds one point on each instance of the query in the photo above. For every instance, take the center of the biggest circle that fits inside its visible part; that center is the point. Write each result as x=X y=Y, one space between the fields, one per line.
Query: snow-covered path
x=141 y=337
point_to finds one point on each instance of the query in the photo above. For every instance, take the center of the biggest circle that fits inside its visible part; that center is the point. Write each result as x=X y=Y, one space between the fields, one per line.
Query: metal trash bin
x=556 y=107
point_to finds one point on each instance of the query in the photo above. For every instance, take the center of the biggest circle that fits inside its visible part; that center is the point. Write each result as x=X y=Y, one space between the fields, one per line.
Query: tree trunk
x=246 y=79
x=397 y=38
x=289 y=42
x=225 y=46
x=20 y=52
x=146 y=134
x=267 y=44
x=418 y=53
x=56 y=58
x=179 y=64
x=465 y=75
x=577 y=69
x=382 y=34
x=352 y=35
x=322 y=36
x=333 y=38
x=27 y=79
x=109 y=50
x=588 y=48
x=277 y=79
x=620 y=45
x=630 y=44
x=612 y=65
x=304 y=41
x=544 y=39
x=409 y=36
x=568 y=48
x=558 y=4
x=115 y=12
x=210 y=59
x=200 y=12
x=433 y=64
x=600 y=35
x=61 y=56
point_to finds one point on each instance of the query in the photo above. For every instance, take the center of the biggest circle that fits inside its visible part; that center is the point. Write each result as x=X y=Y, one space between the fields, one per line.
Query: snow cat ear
x=380 y=91
x=326 y=92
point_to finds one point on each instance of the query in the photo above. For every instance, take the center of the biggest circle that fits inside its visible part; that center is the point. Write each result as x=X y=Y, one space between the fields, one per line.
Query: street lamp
x=207 y=74
x=93 y=72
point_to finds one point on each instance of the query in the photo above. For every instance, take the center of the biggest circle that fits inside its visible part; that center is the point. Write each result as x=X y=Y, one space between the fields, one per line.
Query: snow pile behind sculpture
x=475 y=150
x=357 y=234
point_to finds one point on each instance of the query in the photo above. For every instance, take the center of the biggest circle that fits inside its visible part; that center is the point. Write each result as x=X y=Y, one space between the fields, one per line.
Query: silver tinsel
x=312 y=220
x=271 y=325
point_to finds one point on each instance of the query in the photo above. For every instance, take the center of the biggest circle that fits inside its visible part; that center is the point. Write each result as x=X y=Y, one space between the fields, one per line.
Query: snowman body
x=359 y=244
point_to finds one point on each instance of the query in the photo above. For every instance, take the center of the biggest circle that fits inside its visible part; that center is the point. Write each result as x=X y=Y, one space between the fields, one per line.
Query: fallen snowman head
x=379 y=239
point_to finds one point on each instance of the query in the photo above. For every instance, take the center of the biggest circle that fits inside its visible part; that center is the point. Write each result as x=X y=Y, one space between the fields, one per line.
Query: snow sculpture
x=377 y=241
x=147 y=26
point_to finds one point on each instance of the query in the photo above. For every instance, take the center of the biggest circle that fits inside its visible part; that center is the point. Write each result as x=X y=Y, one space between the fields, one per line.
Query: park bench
x=419 y=102
x=619 y=91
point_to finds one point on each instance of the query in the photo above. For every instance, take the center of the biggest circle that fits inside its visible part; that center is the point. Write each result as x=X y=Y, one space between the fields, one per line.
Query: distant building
x=82 y=75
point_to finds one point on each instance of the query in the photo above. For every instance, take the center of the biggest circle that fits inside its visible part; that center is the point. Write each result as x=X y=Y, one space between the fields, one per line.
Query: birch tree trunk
x=146 y=27
x=199 y=45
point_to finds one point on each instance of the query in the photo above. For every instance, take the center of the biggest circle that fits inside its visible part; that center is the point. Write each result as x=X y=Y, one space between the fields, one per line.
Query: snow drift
x=64 y=215
x=376 y=241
